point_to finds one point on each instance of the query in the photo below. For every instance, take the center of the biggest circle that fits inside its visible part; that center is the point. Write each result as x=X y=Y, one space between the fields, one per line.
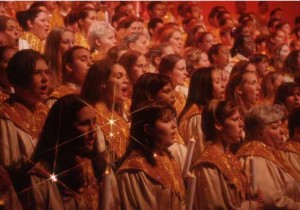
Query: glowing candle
x=138 y=8
x=2 y=203
x=106 y=191
x=190 y=192
x=111 y=121
x=188 y=159
x=53 y=178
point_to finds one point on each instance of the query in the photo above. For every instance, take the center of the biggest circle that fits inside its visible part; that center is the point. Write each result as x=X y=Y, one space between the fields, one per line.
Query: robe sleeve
x=294 y=160
x=7 y=192
x=213 y=191
x=16 y=146
x=137 y=191
x=278 y=188
x=178 y=151
x=42 y=194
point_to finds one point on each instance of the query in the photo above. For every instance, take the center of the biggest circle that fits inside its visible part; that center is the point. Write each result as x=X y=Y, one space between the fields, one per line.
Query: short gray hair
x=97 y=30
x=258 y=117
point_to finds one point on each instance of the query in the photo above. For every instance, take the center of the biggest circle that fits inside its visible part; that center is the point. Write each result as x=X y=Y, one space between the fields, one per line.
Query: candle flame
x=53 y=178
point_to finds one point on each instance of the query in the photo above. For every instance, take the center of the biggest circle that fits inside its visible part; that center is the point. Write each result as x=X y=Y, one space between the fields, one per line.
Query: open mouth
x=173 y=135
x=281 y=142
x=257 y=96
x=222 y=93
x=125 y=91
x=44 y=89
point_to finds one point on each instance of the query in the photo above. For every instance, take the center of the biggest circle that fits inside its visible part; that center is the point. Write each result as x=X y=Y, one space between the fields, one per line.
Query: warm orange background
x=290 y=8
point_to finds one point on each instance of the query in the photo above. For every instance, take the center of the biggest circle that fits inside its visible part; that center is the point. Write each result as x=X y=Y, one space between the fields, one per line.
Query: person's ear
x=218 y=126
x=151 y=31
x=29 y=24
x=238 y=90
x=157 y=60
x=80 y=22
x=69 y=68
x=98 y=42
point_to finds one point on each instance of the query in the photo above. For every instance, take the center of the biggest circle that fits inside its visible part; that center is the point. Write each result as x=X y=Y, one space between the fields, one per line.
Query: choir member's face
x=40 y=81
x=272 y=134
x=158 y=11
x=222 y=57
x=179 y=73
x=80 y=65
x=40 y=25
x=86 y=125
x=250 y=89
x=208 y=41
x=284 y=52
x=3 y=8
x=249 y=45
x=218 y=85
x=108 y=40
x=263 y=67
x=140 y=67
x=279 y=38
x=176 y=41
x=203 y=61
x=66 y=42
x=134 y=27
x=286 y=28
x=164 y=131
x=166 y=94
x=246 y=31
x=117 y=84
x=89 y=20
x=12 y=30
x=141 y=45
x=232 y=129
x=293 y=101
